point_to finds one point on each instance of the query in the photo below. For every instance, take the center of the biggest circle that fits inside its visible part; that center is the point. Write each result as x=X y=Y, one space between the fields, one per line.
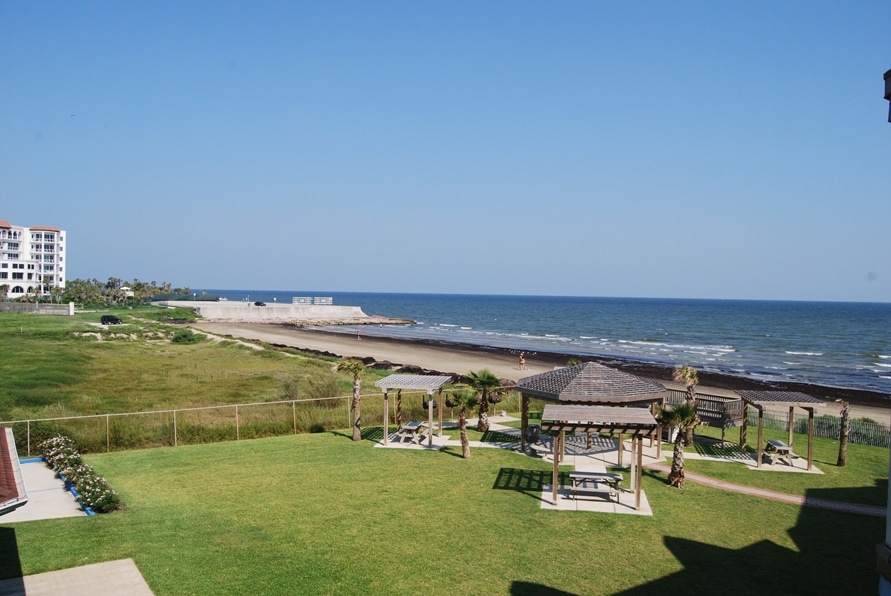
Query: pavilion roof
x=592 y=383
x=787 y=398
x=631 y=421
x=428 y=383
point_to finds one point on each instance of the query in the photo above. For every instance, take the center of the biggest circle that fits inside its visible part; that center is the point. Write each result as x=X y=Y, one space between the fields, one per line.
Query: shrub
x=185 y=336
x=62 y=456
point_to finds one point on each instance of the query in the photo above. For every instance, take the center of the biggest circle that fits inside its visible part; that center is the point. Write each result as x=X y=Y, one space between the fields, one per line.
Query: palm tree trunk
x=462 y=427
x=482 y=424
x=844 y=429
x=676 y=476
x=357 y=417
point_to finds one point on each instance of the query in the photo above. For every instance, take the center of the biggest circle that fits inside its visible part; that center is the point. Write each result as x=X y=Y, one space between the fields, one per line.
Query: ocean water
x=825 y=343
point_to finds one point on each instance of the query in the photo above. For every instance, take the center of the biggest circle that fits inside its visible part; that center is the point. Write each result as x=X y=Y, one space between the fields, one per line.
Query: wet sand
x=459 y=359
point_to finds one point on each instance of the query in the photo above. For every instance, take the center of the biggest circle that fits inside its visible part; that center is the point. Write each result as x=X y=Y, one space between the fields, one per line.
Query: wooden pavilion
x=592 y=393
x=793 y=399
x=431 y=384
x=588 y=383
x=637 y=422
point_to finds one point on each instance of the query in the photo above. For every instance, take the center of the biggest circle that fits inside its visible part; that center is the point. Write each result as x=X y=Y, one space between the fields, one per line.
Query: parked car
x=259 y=303
x=111 y=320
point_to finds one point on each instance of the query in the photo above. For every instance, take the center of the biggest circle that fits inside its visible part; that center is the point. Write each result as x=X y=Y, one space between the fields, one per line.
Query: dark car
x=111 y=320
x=259 y=303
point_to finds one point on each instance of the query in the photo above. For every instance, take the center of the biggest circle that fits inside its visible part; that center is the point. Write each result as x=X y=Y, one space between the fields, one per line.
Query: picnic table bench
x=781 y=450
x=595 y=484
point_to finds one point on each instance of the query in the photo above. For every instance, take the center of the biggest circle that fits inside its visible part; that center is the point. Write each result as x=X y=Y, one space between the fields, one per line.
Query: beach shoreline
x=432 y=356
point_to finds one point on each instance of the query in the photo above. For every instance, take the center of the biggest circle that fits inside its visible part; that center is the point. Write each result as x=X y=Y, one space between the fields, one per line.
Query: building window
x=18 y=276
x=4 y=275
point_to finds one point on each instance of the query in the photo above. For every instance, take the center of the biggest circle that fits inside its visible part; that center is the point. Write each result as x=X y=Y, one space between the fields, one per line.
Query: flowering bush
x=62 y=456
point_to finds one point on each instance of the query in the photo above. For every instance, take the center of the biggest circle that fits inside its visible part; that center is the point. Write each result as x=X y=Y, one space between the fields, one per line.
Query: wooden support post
x=621 y=449
x=430 y=403
x=810 y=438
x=398 y=409
x=556 y=476
x=386 y=418
x=791 y=423
x=760 y=434
x=744 y=427
x=638 y=475
x=632 y=475
x=441 y=408
x=524 y=420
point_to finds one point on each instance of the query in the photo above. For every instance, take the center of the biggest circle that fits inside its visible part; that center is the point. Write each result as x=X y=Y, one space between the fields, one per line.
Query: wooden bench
x=539 y=450
x=781 y=450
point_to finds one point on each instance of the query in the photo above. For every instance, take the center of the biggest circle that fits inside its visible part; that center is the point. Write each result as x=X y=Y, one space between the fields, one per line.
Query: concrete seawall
x=312 y=314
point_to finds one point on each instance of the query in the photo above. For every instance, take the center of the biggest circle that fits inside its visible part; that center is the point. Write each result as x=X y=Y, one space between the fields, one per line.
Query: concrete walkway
x=113 y=578
x=860 y=509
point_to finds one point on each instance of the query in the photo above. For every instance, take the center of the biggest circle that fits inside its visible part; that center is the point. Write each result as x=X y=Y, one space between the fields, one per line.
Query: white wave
x=466 y=328
x=883 y=356
x=804 y=353
x=883 y=365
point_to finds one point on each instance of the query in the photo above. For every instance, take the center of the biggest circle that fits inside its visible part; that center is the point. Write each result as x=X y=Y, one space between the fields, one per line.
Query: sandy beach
x=458 y=359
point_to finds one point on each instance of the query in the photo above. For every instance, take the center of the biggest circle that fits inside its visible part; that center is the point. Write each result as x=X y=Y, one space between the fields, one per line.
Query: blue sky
x=656 y=149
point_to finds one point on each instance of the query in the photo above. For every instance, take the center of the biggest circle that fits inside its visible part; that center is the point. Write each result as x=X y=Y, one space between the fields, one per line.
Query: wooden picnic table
x=595 y=483
x=780 y=449
x=412 y=430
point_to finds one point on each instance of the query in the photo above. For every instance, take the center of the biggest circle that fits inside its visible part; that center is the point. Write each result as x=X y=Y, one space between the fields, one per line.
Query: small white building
x=32 y=260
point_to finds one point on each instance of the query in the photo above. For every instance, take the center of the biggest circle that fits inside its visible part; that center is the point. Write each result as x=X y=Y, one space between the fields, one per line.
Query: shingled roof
x=591 y=383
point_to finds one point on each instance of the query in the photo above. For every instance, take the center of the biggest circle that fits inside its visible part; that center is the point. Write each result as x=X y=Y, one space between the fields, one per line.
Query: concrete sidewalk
x=113 y=578
x=47 y=497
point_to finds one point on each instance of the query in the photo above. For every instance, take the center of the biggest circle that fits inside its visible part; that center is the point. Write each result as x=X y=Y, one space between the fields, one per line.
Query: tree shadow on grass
x=519 y=588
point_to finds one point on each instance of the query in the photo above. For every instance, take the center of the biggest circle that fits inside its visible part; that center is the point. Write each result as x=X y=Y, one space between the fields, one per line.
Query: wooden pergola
x=432 y=384
x=793 y=399
x=637 y=422
x=590 y=383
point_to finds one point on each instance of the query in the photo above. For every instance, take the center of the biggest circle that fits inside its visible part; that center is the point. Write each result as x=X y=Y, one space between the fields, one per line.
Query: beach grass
x=321 y=514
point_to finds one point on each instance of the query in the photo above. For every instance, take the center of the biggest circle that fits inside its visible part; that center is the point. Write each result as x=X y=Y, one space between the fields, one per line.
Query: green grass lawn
x=321 y=514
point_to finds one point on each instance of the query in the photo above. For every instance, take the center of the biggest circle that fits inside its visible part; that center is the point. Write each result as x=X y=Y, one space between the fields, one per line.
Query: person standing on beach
x=522 y=361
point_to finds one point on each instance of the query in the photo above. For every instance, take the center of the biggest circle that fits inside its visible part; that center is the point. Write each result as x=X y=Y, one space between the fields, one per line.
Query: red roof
x=44 y=229
x=4 y=224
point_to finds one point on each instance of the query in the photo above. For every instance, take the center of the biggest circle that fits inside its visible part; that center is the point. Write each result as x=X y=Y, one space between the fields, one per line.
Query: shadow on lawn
x=530 y=482
x=835 y=555
x=10 y=565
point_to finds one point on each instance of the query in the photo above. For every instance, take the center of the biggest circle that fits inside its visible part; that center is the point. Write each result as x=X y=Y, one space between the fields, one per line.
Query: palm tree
x=843 y=430
x=483 y=382
x=683 y=417
x=690 y=378
x=464 y=398
x=355 y=368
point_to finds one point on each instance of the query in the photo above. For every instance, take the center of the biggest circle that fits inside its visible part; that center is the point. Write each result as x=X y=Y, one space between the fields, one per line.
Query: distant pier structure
x=303 y=310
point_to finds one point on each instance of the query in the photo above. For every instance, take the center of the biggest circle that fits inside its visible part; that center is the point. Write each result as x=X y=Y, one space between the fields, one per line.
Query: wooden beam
x=791 y=422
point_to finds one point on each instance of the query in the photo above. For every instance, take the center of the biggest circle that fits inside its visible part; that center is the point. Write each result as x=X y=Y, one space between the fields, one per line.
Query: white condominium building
x=32 y=260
